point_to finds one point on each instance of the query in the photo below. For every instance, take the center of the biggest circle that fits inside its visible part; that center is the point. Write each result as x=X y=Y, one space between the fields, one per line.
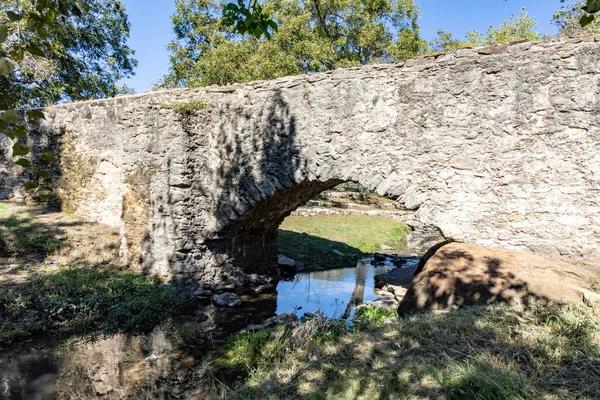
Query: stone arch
x=494 y=146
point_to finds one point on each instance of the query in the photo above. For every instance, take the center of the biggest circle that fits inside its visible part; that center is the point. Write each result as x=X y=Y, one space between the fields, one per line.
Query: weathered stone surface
x=228 y=300
x=493 y=49
x=395 y=277
x=465 y=274
x=254 y=328
x=264 y=288
x=285 y=261
x=289 y=319
x=466 y=141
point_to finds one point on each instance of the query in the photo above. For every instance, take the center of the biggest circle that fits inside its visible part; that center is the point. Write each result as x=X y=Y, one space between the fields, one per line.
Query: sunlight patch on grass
x=81 y=299
x=543 y=351
x=338 y=240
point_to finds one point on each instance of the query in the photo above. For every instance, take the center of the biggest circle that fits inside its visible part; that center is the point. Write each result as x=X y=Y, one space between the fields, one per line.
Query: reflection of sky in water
x=329 y=291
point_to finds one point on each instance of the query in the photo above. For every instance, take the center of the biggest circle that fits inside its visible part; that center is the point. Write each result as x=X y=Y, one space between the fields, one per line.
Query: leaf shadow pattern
x=540 y=351
x=454 y=276
x=258 y=176
x=31 y=236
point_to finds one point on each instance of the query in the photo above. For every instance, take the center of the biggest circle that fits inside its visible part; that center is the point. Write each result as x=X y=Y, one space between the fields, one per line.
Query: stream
x=151 y=365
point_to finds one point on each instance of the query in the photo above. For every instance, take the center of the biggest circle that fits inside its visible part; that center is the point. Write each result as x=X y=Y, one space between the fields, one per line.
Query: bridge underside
x=495 y=146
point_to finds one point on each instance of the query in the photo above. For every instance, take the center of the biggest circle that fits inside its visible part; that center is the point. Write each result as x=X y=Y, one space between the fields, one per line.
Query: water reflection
x=336 y=293
x=161 y=362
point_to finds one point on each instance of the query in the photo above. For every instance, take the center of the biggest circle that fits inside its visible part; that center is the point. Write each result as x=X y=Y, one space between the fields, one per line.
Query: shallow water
x=335 y=293
x=154 y=364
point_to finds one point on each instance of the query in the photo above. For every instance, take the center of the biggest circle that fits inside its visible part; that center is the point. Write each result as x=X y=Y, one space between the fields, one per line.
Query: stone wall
x=494 y=146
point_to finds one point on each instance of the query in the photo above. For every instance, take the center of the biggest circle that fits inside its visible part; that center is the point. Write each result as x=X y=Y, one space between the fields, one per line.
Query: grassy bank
x=31 y=236
x=84 y=300
x=550 y=352
x=336 y=241
x=59 y=275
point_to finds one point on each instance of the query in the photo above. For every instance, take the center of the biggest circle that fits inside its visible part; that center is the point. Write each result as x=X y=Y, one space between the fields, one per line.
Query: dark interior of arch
x=250 y=242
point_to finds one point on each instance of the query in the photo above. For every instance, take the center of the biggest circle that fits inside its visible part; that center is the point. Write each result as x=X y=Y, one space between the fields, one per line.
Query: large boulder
x=463 y=274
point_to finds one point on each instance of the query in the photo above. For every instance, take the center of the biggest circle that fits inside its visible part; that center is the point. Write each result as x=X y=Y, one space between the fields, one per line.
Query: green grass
x=79 y=299
x=187 y=106
x=373 y=317
x=316 y=240
x=544 y=351
x=21 y=235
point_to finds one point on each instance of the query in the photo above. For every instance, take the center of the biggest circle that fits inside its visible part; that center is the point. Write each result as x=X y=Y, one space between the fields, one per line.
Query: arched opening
x=348 y=246
x=326 y=243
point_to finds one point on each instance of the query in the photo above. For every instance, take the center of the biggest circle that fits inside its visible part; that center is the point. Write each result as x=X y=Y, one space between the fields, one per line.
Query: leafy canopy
x=62 y=51
x=312 y=35
x=514 y=28
x=573 y=19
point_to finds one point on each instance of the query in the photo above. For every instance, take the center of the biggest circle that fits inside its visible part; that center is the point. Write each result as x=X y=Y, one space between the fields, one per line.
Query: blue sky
x=151 y=26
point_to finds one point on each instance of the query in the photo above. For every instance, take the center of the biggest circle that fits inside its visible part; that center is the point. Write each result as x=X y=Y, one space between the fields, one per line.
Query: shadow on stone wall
x=46 y=172
x=261 y=187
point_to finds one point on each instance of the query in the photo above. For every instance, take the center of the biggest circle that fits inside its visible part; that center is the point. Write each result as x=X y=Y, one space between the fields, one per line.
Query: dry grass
x=33 y=240
x=542 y=352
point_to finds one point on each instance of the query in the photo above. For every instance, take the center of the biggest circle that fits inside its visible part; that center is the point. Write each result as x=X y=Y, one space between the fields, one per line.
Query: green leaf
x=43 y=174
x=6 y=67
x=42 y=33
x=13 y=16
x=9 y=133
x=3 y=33
x=3 y=125
x=31 y=185
x=76 y=11
x=592 y=6
x=19 y=149
x=19 y=131
x=32 y=24
x=23 y=163
x=586 y=20
x=36 y=114
x=47 y=156
x=11 y=116
x=45 y=196
x=17 y=54
x=35 y=51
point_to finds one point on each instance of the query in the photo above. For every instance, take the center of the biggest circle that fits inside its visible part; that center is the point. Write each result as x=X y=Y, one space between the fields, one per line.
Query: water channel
x=118 y=365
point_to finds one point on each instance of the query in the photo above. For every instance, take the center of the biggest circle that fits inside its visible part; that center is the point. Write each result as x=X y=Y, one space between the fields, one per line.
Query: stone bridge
x=495 y=146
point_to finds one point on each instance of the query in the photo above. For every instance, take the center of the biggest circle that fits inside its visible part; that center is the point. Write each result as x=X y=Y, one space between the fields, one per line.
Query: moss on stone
x=187 y=106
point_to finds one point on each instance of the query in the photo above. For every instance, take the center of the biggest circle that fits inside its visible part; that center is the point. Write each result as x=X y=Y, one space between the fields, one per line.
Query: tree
x=51 y=51
x=81 y=56
x=514 y=28
x=312 y=35
x=60 y=50
x=570 y=17
x=590 y=12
